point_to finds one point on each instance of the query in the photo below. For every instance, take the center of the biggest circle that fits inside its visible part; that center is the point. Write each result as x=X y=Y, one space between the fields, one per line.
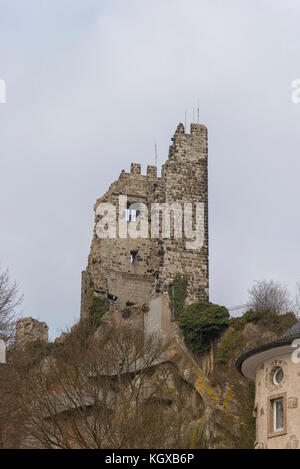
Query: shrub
x=202 y=323
x=251 y=316
x=233 y=340
x=230 y=342
x=278 y=324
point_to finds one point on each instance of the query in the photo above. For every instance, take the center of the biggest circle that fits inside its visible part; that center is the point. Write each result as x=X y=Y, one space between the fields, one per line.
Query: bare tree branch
x=113 y=389
x=270 y=296
x=9 y=300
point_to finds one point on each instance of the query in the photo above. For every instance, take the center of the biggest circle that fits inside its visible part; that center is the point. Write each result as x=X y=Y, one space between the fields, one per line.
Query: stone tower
x=136 y=269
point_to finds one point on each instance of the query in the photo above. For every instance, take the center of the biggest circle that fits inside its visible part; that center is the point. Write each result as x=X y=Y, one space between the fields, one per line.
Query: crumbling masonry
x=30 y=330
x=156 y=261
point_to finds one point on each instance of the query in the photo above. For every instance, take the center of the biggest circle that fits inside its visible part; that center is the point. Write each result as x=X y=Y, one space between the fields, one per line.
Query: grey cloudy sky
x=91 y=83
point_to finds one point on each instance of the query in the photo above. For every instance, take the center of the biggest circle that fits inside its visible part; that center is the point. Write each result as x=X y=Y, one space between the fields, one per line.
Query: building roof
x=293 y=332
x=248 y=361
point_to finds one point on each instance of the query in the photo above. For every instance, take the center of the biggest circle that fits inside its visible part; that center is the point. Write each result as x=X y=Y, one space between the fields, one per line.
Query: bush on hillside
x=202 y=323
x=233 y=341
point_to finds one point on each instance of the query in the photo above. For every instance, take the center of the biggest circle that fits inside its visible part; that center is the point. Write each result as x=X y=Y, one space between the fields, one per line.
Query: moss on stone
x=247 y=436
x=234 y=340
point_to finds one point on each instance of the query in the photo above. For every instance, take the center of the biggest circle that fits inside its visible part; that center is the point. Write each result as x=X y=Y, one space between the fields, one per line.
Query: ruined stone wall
x=29 y=330
x=109 y=267
x=184 y=179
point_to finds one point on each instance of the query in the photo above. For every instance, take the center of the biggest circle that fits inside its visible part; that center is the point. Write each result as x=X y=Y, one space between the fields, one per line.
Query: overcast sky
x=91 y=83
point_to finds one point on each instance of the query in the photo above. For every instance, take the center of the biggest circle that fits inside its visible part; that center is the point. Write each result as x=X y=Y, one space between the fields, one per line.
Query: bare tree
x=11 y=420
x=269 y=296
x=114 y=389
x=9 y=300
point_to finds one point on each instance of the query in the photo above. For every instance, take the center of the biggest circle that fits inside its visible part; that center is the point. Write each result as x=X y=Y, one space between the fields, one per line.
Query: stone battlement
x=136 y=170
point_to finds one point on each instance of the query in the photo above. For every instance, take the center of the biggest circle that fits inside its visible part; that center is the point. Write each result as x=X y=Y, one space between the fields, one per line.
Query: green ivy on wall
x=177 y=294
x=96 y=307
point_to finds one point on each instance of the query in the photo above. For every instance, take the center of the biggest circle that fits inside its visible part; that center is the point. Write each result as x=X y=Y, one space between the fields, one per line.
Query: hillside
x=107 y=371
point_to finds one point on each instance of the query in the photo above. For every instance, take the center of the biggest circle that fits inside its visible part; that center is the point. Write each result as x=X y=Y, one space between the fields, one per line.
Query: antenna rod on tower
x=198 y=113
x=156 y=155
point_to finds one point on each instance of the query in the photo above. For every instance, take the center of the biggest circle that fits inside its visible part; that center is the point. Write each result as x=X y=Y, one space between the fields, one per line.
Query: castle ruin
x=134 y=270
x=30 y=330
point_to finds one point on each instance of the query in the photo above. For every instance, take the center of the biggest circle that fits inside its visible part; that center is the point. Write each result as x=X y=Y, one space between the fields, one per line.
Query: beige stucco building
x=275 y=368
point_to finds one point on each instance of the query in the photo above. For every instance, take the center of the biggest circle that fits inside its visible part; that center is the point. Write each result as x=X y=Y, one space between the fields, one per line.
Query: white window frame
x=274 y=404
x=275 y=380
x=272 y=430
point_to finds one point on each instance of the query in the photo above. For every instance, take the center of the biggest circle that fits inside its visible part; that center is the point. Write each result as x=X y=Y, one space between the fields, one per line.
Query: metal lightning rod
x=155 y=150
